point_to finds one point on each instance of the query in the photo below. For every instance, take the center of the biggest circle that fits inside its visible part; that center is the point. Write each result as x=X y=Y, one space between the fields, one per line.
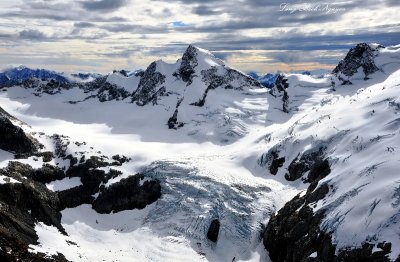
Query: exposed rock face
x=124 y=195
x=276 y=163
x=127 y=194
x=149 y=86
x=173 y=120
x=294 y=233
x=361 y=56
x=213 y=230
x=189 y=62
x=22 y=206
x=109 y=92
x=312 y=161
x=25 y=200
x=214 y=79
x=105 y=90
x=139 y=73
x=13 y=138
x=25 y=203
x=281 y=85
x=50 y=87
x=102 y=89
x=13 y=250
x=91 y=179
x=46 y=174
x=272 y=160
x=122 y=72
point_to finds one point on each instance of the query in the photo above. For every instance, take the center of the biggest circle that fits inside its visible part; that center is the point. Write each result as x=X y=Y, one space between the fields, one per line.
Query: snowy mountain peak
x=149 y=85
x=188 y=64
x=360 y=57
x=195 y=57
x=195 y=49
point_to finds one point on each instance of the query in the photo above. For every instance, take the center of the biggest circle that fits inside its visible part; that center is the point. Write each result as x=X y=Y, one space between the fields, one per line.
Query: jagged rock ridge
x=13 y=138
x=149 y=86
x=360 y=57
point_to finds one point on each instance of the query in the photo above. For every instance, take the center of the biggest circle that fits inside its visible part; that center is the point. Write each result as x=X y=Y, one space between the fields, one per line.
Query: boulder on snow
x=213 y=230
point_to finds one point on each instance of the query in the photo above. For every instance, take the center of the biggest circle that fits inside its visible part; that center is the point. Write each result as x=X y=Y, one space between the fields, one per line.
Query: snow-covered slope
x=355 y=129
x=221 y=149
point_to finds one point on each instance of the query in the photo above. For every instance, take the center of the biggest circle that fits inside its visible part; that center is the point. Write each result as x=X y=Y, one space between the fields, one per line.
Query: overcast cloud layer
x=251 y=35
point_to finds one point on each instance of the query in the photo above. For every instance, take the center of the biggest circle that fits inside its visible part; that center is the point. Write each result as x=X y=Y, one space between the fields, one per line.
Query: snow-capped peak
x=359 y=60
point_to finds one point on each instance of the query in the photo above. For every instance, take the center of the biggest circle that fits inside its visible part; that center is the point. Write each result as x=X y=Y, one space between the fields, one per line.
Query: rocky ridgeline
x=280 y=89
x=360 y=57
x=150 y=86
x=13 y=138
x=189 y=62
x=25 y=200
x=107 y=91
x=294 y=233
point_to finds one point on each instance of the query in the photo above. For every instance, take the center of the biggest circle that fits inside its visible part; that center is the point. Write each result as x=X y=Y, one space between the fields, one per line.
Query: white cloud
x=105 y=33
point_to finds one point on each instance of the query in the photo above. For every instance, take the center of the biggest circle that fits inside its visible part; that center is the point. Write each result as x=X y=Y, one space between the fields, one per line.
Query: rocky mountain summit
x=361 y=57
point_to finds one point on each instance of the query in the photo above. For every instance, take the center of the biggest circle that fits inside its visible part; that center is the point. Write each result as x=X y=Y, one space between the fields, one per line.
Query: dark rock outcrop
x=149 y=86
x=124 y=195
x=122 y=72
x=105 y=90
x=91 y=179
x=276 y=163
x=13 y=138
x=46 y=174
x=213 y=230
x=14 y=250
x=26 y=203
x=361 y=56
x=214 y=79
x=173 y=122
x=109 y=92
x=311 y=160
x=281 y=84
x=127 y=194
x=294 y=233
x=272 y=160
x=189 y=62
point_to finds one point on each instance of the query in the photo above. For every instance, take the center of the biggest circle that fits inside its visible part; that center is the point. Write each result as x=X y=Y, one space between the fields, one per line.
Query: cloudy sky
x=251 y=35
